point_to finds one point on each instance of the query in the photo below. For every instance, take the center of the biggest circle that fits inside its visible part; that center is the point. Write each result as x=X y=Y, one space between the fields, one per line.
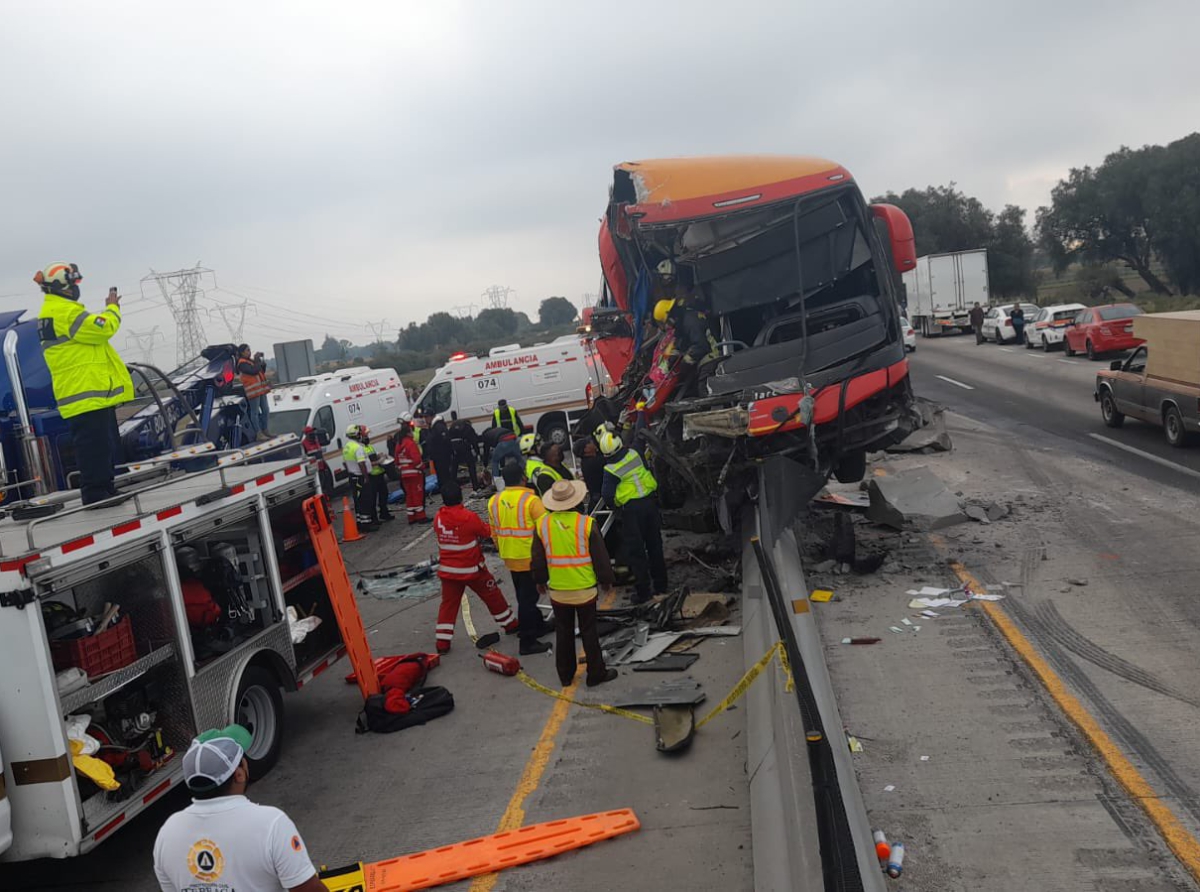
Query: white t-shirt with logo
x=229 y=844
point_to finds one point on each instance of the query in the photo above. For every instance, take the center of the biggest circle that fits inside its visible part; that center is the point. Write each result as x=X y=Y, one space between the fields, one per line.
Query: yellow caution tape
x=776 y=650
x=603 y=707
x=748 y=679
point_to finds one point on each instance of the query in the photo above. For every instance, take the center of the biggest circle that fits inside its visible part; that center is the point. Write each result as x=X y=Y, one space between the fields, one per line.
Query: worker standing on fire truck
x=412 y=475
x=358 y=469
x=90 y=379
x=630 y=487
x=461 y=566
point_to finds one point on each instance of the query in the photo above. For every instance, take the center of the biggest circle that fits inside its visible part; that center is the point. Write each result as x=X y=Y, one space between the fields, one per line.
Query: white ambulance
x=548 y=384
x=332 y=401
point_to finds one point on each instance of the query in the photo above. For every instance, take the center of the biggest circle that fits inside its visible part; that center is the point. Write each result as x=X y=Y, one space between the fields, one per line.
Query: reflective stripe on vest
x=512 y=527
x=466 y=546
x=497 y=421
x=564 y=536
x=636 y=481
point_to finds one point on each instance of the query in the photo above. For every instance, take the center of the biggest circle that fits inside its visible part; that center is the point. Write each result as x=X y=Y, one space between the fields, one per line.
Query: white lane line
x=1149 y=456
x=425 y=535
x=955 y=383
x=1007 y=350
x=1068 y=361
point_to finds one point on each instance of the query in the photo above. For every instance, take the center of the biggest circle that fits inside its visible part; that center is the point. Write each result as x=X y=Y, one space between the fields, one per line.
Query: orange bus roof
x=678 y=188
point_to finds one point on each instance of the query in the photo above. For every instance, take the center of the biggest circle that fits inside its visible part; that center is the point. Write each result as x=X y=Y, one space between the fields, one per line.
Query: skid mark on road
x=1182 y=844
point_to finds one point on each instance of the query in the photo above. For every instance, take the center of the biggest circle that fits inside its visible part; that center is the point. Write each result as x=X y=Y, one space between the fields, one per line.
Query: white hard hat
x=406 y=417
x=437 y=418
x=666 y=268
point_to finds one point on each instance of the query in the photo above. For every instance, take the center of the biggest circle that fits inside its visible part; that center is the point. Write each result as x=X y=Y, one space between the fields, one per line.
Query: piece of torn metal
x=674 y=727
x=672 y=691
x=726 y=423
x=667 y=663
x=654 y=646
x=713 y=632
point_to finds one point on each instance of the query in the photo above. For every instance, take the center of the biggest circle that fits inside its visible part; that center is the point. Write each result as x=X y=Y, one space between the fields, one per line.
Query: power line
x=234 y=318
x=180 y=290
x=143 y=342
x=377 y=329
x=497 y=296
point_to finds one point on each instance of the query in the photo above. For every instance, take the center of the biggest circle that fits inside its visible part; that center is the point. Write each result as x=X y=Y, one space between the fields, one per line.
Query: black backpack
x=428 y=703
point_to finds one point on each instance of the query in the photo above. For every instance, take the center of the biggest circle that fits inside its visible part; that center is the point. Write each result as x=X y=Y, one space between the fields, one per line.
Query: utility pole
x=142 y=342
x=234 y=317
x=180 y=290
x=377 y=329
x=496 y=297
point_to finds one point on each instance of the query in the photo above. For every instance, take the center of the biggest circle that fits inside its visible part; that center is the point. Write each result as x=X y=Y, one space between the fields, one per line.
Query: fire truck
x=196 y=599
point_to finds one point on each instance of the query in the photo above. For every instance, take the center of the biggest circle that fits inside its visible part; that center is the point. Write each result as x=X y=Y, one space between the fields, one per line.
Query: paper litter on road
x=918 y=603
x=897 y=629
x=889 y=788
x=906 y=621
x=930 y=592
x=930 y=613
x=975 y=597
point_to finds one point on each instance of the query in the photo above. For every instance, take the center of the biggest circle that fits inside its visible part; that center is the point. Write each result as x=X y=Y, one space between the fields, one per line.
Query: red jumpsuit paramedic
x=461 y=565
x=412 y=474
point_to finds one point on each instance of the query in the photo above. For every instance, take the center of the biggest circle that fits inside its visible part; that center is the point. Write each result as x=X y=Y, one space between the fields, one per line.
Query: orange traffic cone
x=350 y=531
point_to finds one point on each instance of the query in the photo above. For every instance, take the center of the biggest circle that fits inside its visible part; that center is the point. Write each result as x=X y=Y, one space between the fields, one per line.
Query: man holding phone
x=90 y=378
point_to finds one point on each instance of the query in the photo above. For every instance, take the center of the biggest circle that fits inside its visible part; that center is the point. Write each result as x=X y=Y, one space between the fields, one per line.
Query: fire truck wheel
x=260 y=710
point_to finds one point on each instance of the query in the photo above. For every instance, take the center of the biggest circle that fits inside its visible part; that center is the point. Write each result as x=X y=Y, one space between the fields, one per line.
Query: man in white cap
x=223 y=842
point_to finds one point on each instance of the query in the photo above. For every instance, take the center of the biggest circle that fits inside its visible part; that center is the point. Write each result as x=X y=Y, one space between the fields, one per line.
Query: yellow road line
x=535 y=768
x=1183 y=844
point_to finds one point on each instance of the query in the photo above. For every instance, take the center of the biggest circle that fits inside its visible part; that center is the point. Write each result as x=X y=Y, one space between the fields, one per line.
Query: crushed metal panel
x=678 y=691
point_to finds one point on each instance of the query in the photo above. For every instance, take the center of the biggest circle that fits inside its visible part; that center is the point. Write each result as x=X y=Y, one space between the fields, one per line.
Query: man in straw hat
x=570 y=559
x=223 y=841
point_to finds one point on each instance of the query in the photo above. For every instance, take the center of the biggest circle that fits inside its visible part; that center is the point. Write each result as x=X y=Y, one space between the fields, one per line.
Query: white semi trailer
x=943 y=288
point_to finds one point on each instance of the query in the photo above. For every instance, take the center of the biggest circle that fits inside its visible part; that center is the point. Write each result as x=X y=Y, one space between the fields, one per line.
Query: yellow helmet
x=662 y=309
x=527 y=442
x=609 y=443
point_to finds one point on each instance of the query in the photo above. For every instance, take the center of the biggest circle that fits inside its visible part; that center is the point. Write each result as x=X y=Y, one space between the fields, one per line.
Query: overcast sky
x=339 y=163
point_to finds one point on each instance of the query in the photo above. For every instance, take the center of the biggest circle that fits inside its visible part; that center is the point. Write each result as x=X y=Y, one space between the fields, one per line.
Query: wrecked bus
x=796 y=278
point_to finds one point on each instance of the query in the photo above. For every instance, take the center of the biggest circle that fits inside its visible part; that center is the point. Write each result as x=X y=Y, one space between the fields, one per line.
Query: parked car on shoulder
x=1099 y=330
x=998 y=327
x=910 y=335
x=1046 y=330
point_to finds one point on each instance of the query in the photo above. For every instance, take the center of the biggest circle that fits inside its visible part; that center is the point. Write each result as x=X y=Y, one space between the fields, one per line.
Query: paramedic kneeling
x=223 y=842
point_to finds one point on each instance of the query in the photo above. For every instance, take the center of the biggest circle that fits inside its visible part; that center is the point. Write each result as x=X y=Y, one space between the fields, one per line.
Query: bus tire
x=554 y=430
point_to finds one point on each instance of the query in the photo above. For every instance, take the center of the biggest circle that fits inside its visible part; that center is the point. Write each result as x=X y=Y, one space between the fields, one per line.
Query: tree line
x=1139 y=209
x=430 y=343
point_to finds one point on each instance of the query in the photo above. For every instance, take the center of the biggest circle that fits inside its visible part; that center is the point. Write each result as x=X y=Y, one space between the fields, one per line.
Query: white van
x=333 y=401
x=548 y=384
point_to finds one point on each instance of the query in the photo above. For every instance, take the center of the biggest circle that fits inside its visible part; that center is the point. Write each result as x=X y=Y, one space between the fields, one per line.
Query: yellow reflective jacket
x=87 y=372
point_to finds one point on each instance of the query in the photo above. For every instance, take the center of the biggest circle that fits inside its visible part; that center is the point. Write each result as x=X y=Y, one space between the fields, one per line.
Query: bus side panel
x=37 y=764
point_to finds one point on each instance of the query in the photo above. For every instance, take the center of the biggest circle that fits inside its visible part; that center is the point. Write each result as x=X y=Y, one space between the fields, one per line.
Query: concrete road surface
x=966 y=756
x=505 y=753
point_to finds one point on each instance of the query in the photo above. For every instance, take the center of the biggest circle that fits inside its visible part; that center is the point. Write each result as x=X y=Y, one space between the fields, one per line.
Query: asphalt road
x=1046 y=399
x=500 y=755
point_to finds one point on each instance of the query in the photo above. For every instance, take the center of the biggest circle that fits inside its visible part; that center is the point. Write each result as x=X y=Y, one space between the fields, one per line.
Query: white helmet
x=406 y=417
x=666 y=267
x=437 y=418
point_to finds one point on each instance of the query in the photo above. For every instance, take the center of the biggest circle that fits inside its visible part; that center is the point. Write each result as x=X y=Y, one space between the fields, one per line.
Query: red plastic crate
x=96 y=655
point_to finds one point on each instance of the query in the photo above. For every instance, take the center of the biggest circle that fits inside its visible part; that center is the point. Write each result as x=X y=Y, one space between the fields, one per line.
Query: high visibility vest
x=511 y=516
x=636 y=480
x=353 y=453
x=86 y=371
x=376 y=469
x=416 y=435
x=564 y=536
x=253 y=383
x=510 y=422
x=535 y=466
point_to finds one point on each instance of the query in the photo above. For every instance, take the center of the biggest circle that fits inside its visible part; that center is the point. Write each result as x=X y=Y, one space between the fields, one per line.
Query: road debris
x=674 y=728
x=861 y=640
x=684 y=690
x=821 y=595
x=667 y=663
x=914 y=499
x=1077 y=581
x=931 y=436
x=895 y=865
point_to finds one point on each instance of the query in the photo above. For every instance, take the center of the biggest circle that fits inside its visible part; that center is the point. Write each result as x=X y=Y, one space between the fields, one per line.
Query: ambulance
x=332 y=401
x=550 y=386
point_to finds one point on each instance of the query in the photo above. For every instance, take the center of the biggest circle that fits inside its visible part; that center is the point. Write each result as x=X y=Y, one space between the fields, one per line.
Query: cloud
x=376 y=160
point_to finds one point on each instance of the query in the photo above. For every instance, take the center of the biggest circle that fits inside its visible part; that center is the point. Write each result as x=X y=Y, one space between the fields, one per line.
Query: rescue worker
x=692 y=340
x=89 y=378
x=630 y=488
x=439 y=452
x=533 y=466
x=358 y=470
x=505 y=447
x=570 y=560
x=378 y=483
x=412 y=474
x=253 y=373
x=543 y=471
x=513 y=515
x=506 y=417
x=461 y=566
x=224 y=836
x=464 y=445
x=314 y=450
